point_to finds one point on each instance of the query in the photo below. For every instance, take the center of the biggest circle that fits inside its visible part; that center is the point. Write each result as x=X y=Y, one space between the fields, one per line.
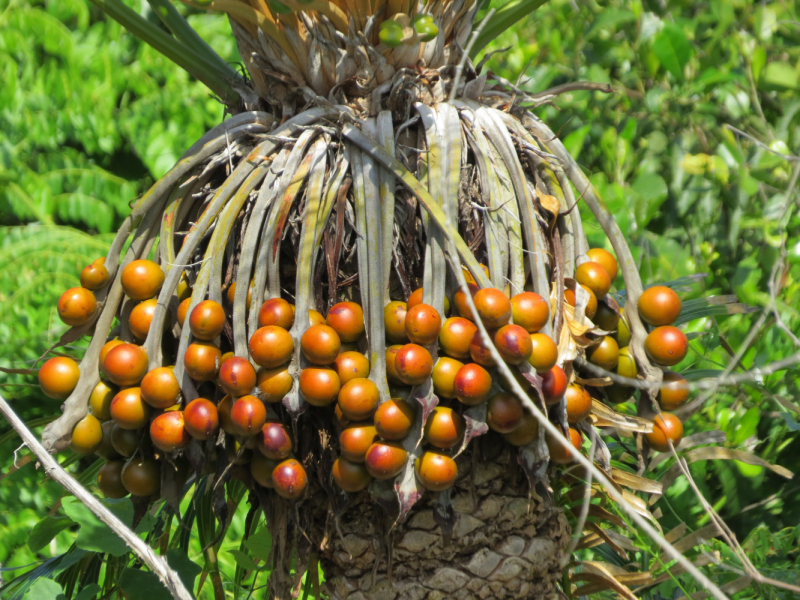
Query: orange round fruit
x=319 y=386
x=275 y=441
x=273 y=384
x=666 y=345
x=76 y=306
x=594 y=277
x=261 y=469
x=183 y=309
x=666 y=428
x=358 y=399
x=472 y=384
x=168 y=431
x=140 y=318
x=160 y=388
x=607 y=315
x=659 y=305
x=423 y=324
x=562 y=455
x=513 y=343
x=436 y=472
x=289 y=479
x=58 y=377
x=479 y=351
x=674 y=391
x=554 y=384
x=350 y=476
x=544 y=353
x=460 y=300
x=128 y=409
x=95 y=275
x=391 y=371
x=394 y=419
x=100 y=400
x=503 y=412
x=202 y=361
x=413 y=364
x=394 y=321
x=356 y=439
x=626 y=367
x=237 y=377
x=142 y=279
x=526 y=432
x=231 y=295
x=579 y=403
x=141 y=476
x=107 y=347
x=224 y=413
x=124 y=441
x=109 y=479
x=125 y=364
x=271 y=346
x=248 y=416
x=493 y=307
x=315 y=318
x=201 y=419
x=623 y=335
x=385 y=460
x=530 y=311
x=455 y=337
x=207 y=320
x=351 y=365
x=320 y=344
x=416 y=298
x=444 y=428
x=606 y=260
x=591 y=307
x=340 y=418
x=277 y=312
x=444 y=375
x=87 y=435
x=605 y=354
x=347 y=320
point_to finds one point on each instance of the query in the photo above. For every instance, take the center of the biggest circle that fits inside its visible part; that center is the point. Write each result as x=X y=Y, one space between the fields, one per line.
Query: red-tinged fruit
x=435 y=471
x=141 y=476
x=320 y=344
x=444 y=375
x=109 y=479
x=513 y=343
x=385 y=460
x=277 y=312
x=87 y=436
x=248 y=416
x=168 y=431
x=271 y=346
x=391 y=371
x=183 y=309
x=289 y=479
x=141 y=317
x=579 y=403
x=142 y=279
x=351 y=365
x=504 y=412
x=605 y=259
x=320 y=386
x=666 y=428
x=413 y=364
x=423 y=323
x=554 y=384
x=591 y=306
x=207 y=320
x=237 y=377
x=494 y=308
x=128 y=409
x=76 y=306
x=666 y=345
x=530 y=311
x=125 y=364
x=444 y=428
x=674 y=391
x=356 y=439
x=472 y=384
x=202 y=361
x=95 y=275
x=358 y=399
x=562 y=455
x=455 y=337
x=594 y=277
x=273 y=384
x=349 y=476
x=107 y=347
x=394 y=419
x=659 y=305
x=544 y=352
x=347 y=320
x=160 y=388
x=275 y=441
x=479 y=351
x=58 y=377
x=460 y=300
x=201 y=419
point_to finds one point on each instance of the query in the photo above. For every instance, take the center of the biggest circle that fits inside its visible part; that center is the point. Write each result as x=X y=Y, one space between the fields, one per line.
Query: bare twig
x=587 y=500
x=574 y=86
x=762 y=144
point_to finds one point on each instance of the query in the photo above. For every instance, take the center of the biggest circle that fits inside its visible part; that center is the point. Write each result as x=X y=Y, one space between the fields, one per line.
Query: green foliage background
x=89 y=117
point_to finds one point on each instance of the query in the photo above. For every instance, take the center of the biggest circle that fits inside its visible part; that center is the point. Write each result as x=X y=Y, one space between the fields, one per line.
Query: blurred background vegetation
x=90 y=117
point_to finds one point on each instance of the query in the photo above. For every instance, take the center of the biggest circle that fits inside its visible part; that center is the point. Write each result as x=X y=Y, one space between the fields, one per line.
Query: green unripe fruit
x=391 y=34
x=425 y=27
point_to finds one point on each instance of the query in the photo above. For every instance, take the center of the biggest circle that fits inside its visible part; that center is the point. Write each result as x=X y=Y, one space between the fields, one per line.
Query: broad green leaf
x=748 y=423
x=142 y=585
x=243 y=560
x=187 y=569
x=611 y=18
x=672 y=49
x=575 y=140
x=45 y=530
x=45 y=589
x=260 y=544
x=778 y=76
x=94 y=535
x=88 y=592
x=652 y=191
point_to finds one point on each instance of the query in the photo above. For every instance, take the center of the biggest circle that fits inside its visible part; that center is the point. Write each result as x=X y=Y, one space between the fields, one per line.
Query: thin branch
x=587 y=500
x=575 y=86
x=762 y=144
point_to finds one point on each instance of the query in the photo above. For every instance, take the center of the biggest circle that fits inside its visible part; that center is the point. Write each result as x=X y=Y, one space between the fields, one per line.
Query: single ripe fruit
x=455 y=337
x=261 y=469
x=562 y=455
x=666 y=427
x=444 y=428
x=423 y=324
x=107 y=347
x=460 y=300
x=87 y=435
x=76 y=306
x=319 y=386
x=393 y=419
x=623 y=335
x=347 y=320
x=350 y=476
x=526 y=432
x=320 y=344
x=605 y=354
x=100 y=400
x=444 y=375
x=168 y=431
x=202 y=361
x=626 y=367
x=289 y=479
x=594 y=277
x=591 y=307
x=530 y=311
x=141 y=476
x=277 y=312
x=237 y=377
x=315 y=317
x=494 y=309
x=674 y=391
x=579 y=403
x=394 y=321
x=385 y=460
x=416 y=298
x=554 y=384
x=183 y=309
x=207 y=320
x=109 y=479
x=271 y=346
x=607 y=315
x=273 y=384
x=231 y=294
x=659 y=305
x=95 y=275
x=124 y=441
x=224 y=413
x=358 y=399
x=351 y=365
x=472 y=384
x=58 y=377
x=513 y=343
x=275 y=441
x=391 y=371
x=504 y=412
x=606 y=260
x=125 y=364
x=128 y=409
x=479 y=351
x=201 y=419
x=544 y=353
x=666 y=345
x=413 y=364
x=436 y=472
x=356 y=439
x=141 y=317
x=160 y=388
x=142 y=279
x=248 y=416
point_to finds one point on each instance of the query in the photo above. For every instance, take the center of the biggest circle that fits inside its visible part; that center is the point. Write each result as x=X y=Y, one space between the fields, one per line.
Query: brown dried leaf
x=635 y=482
x=617 y=419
